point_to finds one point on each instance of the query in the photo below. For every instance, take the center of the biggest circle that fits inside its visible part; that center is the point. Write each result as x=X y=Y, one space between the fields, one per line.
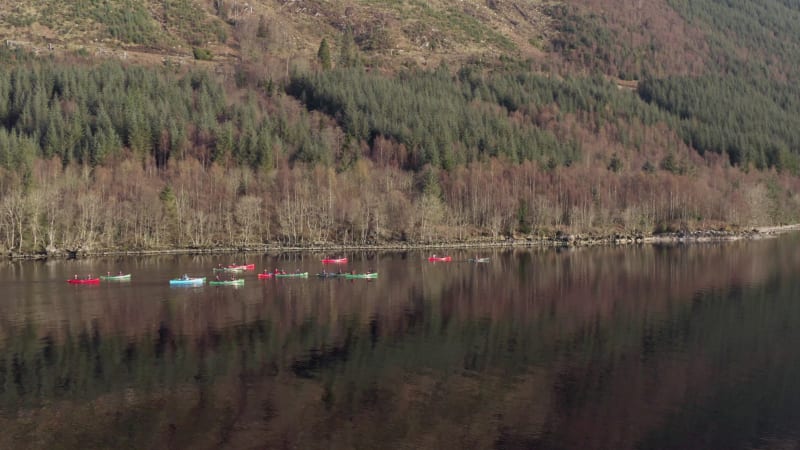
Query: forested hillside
x=200 y=124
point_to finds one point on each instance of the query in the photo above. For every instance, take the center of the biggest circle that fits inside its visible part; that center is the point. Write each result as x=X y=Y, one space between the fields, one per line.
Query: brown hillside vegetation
x=641 y=35
x=653 y=34
x=390 y=33
x=406 y=31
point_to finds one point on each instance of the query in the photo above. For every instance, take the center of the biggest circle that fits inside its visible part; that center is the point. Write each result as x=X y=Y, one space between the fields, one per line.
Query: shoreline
x=531 y=241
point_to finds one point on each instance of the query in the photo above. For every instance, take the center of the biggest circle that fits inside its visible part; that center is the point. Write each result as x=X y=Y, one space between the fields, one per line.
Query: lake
x=638 y=347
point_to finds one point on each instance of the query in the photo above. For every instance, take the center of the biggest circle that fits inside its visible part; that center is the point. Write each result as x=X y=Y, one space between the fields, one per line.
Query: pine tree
x=324 y=55
x=263 y=29
x=348 y=51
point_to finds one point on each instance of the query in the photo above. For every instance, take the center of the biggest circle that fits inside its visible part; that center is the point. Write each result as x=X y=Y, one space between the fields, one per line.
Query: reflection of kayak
x=84 y=281
x=334 y=260
x=263 y=276
x=238 y=282
x=361 y=275
x=126 y=277
x=187 y=281
x=479 y=260
x=440 y=258
x=292 y=275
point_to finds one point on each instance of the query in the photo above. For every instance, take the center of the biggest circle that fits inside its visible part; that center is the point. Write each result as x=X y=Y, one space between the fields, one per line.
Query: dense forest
x=107 y=154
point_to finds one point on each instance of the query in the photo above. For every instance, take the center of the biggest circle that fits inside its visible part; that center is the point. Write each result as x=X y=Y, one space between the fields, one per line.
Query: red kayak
x=440 y=258
x=264 y=276
x=242 y=266
x=84 y=281
x=334 y=260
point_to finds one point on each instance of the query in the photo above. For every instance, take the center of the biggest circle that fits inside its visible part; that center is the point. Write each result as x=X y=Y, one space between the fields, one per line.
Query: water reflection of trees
x=593 y=349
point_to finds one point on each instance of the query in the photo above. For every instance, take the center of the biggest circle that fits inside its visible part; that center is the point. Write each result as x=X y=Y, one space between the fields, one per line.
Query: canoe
x=264 y=276
x=242 y=266
x=440 y=258
x=84 y=281
x=187 y=281
x=329 y=275
x=351 y=276
x=479 y=260
x=292 y=275
x=228 y=269
x=237 y=282
x=126 y=277
x=334 y=261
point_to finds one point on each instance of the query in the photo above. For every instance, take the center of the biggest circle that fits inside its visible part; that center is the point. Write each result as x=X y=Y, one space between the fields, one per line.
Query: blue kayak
x=190 y=281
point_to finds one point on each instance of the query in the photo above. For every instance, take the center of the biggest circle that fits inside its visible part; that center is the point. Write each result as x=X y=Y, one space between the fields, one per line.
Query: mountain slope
x=622 y=38
x=409 y=30
x=421 y=121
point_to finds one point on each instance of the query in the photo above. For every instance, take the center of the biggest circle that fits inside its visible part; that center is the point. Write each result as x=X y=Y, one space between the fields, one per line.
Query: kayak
x=334 y=261
x=187 y=281
x=242 y=266
x=329 y=275
x=228 y=269
x=440 y=258
x=479 y=260
x=351 y=276
x=264 y=276
x=237 y=282
x=84 y=281
x=292 y=275
x=126 y=277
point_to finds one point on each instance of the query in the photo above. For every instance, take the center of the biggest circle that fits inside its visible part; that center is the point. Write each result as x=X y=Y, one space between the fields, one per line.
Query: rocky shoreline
x=558 y=240
x=694 y=236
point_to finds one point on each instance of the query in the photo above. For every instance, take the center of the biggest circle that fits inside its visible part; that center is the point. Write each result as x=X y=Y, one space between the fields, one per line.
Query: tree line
x=91 y=115
x=112 y=156
x=754 y=124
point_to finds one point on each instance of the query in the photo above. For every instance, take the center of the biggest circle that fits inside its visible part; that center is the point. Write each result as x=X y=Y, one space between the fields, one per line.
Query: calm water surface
x=678 y=347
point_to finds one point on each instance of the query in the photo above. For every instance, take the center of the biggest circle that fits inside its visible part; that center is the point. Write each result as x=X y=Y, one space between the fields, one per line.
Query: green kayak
x=238 y=282
x=126 y=277
x=228 y=269
x=361 y=275
x=292 y=275
x=479 y=260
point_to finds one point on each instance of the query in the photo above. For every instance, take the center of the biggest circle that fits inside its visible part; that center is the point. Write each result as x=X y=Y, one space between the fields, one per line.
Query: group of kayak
x=220 y=278
x=89 y=279
x=280 y=273
x=435 y=258
x=275 y=273
x=348 y=275
x=342 y=274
